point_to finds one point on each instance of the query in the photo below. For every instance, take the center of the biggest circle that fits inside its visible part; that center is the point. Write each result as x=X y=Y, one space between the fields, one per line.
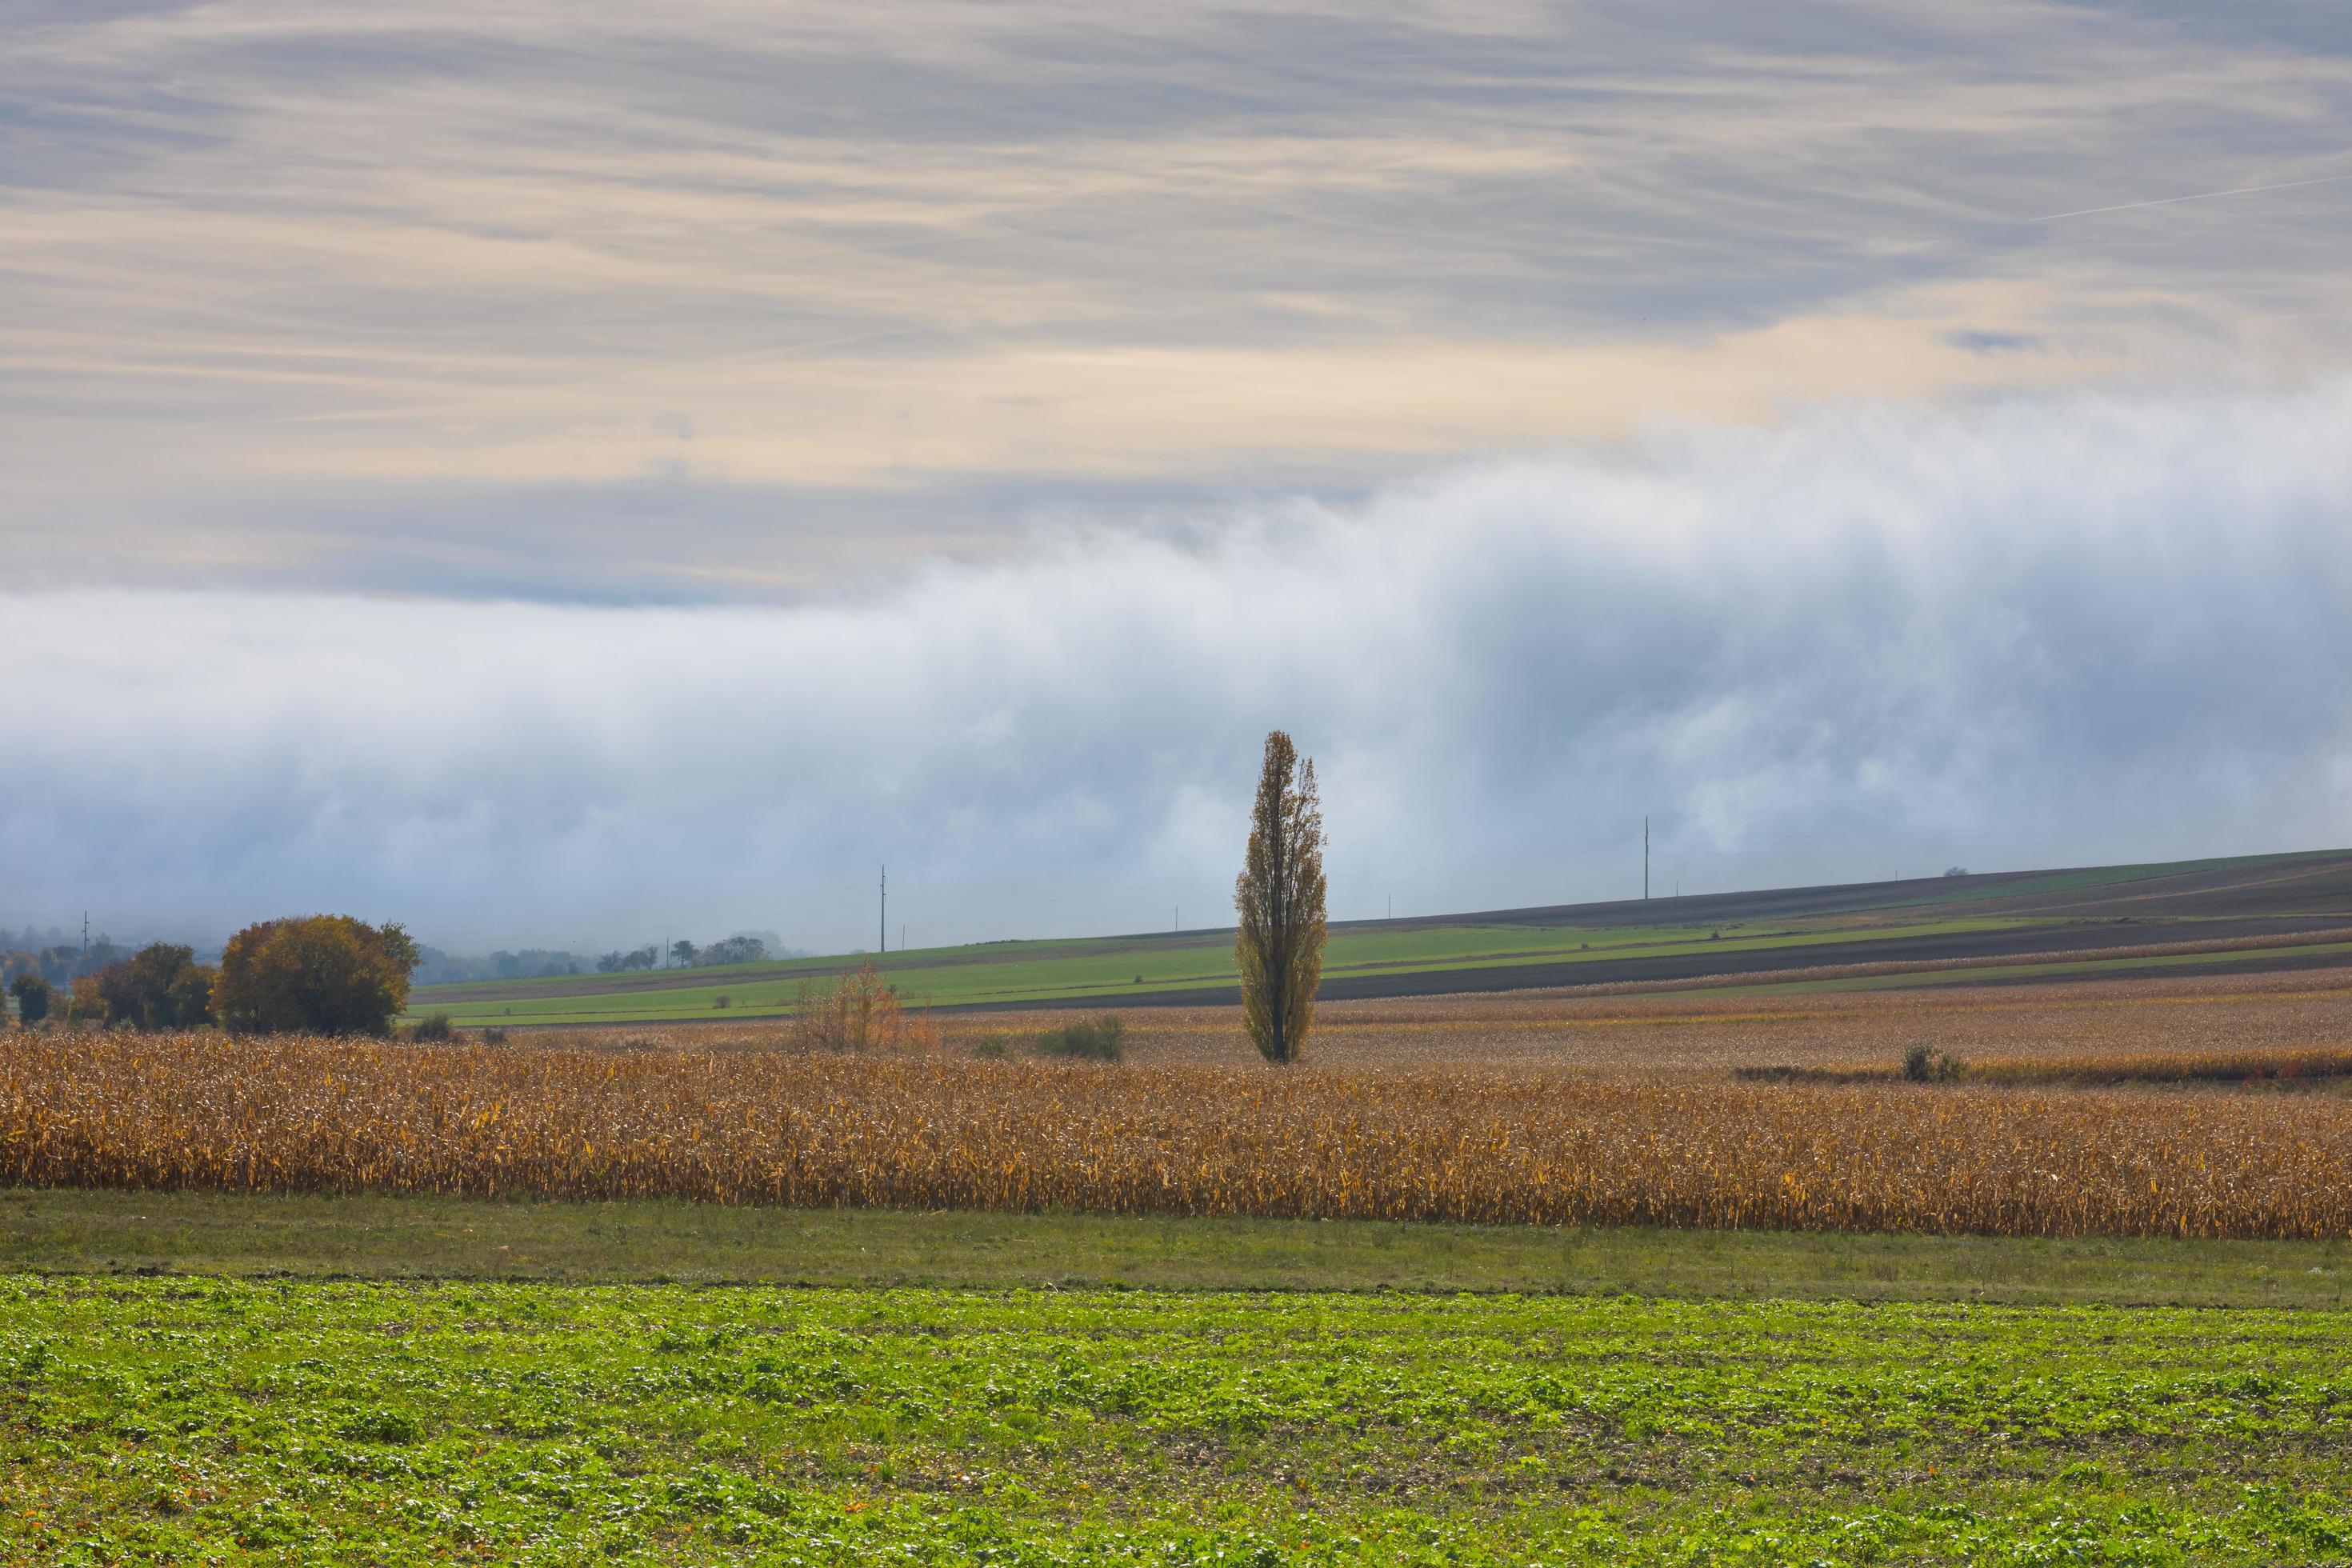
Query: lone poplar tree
x=1279 y=896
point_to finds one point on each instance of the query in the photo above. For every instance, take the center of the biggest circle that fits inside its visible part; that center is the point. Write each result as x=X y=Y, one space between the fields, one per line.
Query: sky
x=581 y=474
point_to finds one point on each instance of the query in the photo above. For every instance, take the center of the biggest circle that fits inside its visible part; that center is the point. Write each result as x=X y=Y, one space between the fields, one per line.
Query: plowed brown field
x=1690 y=1033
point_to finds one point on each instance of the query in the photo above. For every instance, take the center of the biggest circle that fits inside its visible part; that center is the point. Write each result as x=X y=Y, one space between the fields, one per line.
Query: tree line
x=328 y=974
x=338 y=975
x=740 y=948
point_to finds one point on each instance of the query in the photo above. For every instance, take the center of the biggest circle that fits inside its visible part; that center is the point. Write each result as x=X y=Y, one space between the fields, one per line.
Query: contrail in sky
x=2200 y=197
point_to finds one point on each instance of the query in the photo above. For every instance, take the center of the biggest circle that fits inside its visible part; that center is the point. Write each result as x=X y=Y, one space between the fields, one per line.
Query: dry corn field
x=1480 y=1138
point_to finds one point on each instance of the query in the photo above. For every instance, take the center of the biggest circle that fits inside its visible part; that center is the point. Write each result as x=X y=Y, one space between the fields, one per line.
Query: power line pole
x=85 y=933
x=883 y=937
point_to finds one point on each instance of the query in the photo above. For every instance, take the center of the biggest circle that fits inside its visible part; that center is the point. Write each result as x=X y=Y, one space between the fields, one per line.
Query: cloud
x=1878 y=639
x=275 y=262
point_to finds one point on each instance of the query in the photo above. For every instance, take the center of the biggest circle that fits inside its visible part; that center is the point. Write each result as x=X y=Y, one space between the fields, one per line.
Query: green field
x=1922 y=922
x=308 y=1235
x=1107 y=970
x=276 y=1420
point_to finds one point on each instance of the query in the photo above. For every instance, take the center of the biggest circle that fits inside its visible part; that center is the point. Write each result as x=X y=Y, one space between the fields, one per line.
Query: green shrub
x=1101 y=1040
x=1923 y=1063
x=32 y=994
x=993 y=1047
x=433 y=1026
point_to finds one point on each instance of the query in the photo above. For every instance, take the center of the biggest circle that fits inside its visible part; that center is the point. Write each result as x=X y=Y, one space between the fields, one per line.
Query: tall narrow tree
x=1279 y=896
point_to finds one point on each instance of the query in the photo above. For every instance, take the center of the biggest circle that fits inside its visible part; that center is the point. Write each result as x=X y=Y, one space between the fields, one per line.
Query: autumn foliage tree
x=1279 y=897
x=161 y=986
x=326 y=975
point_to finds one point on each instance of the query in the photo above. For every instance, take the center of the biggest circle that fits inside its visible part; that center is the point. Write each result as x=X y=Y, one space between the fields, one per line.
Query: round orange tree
x=324 y=974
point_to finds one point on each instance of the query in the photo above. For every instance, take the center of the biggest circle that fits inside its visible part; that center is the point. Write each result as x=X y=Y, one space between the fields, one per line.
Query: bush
x=1925 y=1064
x=494 y=1037
x=857 y=1012
x=722 y=1000
x=1101 y=1040
x=433 y=1026
x=992 y=1047
x=32 y=994
x=322 y=975
x=161 y=986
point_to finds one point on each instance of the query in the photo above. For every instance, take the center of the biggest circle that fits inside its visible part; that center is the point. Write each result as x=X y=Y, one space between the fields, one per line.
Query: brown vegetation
x=937 y=1129
x=857 y=1012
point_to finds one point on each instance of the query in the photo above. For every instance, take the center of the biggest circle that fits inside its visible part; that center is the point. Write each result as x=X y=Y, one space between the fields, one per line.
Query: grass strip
x=83 y=1230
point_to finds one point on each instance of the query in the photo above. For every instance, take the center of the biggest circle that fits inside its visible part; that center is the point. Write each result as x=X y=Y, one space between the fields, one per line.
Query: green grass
x=318 y=1235
x=1098 y=973
x=1042 y=1390
x=369 y=1422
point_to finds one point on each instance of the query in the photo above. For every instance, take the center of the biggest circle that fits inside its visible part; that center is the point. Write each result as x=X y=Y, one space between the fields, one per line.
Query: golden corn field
x=938 y=1130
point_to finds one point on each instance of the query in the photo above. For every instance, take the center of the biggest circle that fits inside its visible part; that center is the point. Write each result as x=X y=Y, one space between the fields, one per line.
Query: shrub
x=433 y=1026
x=494 y=1035
x=722 y=1000
x=1101 y=1040
x=856 y=1012
x=32 y=994
x=161 y=986
x=323 y=974
x=990 y=1047
x=1925 y=1064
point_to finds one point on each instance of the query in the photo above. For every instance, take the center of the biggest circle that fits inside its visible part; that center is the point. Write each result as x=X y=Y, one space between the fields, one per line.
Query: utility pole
x=1646 y=860
x=883 y=936
x=85 y=933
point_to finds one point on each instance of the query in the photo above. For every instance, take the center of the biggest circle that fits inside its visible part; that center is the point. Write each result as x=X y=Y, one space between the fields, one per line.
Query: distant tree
x=1956 y=871
x=1280 y=897
x=86 y=999
x=735 y=949
x=32 y=992
x=610 y=963
x=682 y=952
x=327 y=974
x=161 y=986
x=642 y=958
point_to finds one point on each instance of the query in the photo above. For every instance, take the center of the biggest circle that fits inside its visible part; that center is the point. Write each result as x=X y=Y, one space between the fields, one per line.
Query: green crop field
x=196 y=1419
x=1931 y=920
x=1109 y=970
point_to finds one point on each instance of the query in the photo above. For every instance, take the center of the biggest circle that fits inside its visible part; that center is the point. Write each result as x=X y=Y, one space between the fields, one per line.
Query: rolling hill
x=2267 y=912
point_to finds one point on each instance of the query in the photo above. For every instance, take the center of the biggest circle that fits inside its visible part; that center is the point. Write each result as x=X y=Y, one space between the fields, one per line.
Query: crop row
x=933 y=1131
